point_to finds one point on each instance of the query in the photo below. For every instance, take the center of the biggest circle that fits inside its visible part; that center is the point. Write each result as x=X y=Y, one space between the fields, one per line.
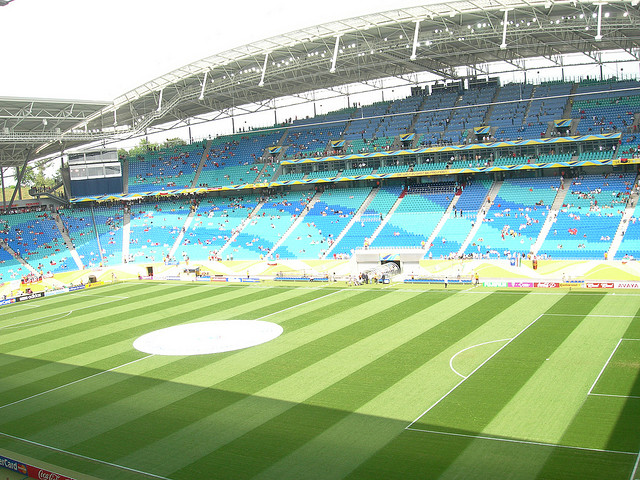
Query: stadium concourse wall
x=490 y=272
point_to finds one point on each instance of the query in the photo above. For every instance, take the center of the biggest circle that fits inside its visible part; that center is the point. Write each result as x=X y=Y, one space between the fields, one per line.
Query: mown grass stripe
x=615 y=419
x=61 y=303
x=118 y=391
x=326 y=408
x=42 y=333
x=114 y=414
x=343 y=447
x=268 y=405
x=88 y=331
x=471 y=406
x=96 y=342
x=249 y=382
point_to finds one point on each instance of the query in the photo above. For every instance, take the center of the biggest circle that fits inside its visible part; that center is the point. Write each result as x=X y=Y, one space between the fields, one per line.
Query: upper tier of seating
x=232 y=159
x=169 y=168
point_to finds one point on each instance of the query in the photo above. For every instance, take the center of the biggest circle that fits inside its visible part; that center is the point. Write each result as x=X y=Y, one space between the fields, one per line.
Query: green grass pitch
x=392 y=383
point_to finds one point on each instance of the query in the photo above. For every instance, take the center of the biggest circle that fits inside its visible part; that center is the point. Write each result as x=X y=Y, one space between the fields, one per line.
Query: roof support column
x=415 y=40
x=598 y=36
x=19 y=179
x=264 y=69
x=335 y=55
x=4 y=197
x=160 y=100
x=503 y=45
x=204 y=84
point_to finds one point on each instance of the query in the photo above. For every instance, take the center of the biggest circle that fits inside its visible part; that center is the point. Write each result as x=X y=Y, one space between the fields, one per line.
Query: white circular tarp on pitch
x=207 y=337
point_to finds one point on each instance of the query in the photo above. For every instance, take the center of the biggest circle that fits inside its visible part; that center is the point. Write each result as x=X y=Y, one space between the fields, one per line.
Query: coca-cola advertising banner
x=598 y=285
x=41 y=474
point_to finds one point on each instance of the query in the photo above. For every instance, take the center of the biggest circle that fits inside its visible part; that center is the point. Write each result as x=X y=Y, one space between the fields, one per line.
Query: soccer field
x=393 y=383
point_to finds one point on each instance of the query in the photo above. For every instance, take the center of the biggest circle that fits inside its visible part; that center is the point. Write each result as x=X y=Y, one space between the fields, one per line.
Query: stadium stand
x=264 y=230
x=10 y=268
x=155 y=228
x=630 y=247
x=235 y=159
x=323 y=223
x=589 y=217
x=169 y=168
x=36 y=238
x=216 y=220
x=416 y=216
x=516 y=216
x=459 y=223
x=369 y=221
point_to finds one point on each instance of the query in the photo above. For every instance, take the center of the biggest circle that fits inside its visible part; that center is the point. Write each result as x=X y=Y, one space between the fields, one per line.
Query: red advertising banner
x=41 y=474
x=598 y=284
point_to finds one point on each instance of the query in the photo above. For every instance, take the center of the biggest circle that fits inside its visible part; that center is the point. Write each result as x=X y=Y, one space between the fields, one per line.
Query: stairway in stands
x=482 y=213
x=551 y=217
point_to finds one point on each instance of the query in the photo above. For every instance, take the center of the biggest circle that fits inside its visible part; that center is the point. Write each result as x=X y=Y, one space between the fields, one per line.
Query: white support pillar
x=264 y=69
x=160 y=100
x=503 y=45
x=335 y=55
x=115 y=118
x=598 y=36
x=415 y=40
x=204 y=84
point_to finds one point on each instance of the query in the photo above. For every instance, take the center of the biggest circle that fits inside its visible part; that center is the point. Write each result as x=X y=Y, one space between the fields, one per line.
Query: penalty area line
x=603 y=367
x=84 y=457
x=474 y=371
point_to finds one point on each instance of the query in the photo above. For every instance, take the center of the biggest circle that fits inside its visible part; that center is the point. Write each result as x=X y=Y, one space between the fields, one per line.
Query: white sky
x=97 y=50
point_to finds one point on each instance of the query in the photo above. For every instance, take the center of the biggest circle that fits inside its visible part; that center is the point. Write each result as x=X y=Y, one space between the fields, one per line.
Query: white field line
x=81 y=293
x=631 y=339
x=474 y=371
x=604 y=366
x=635 y=468
x=54 y=314
x=298 y=305
x=611 y=395
x=23 y=305
x=469 y=348
x=28 y=323
x=84 y=457
x=525 y=442
x=74 y=382
x=40 y=304
x=590 y=315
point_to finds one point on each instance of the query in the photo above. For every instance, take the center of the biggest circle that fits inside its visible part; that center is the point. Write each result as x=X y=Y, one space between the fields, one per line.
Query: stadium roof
x=437 y=38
